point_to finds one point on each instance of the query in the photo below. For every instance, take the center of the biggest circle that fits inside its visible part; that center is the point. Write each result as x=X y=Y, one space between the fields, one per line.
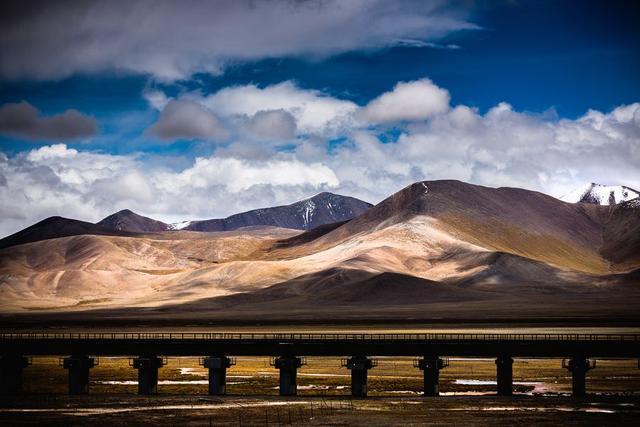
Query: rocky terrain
x=436 y=249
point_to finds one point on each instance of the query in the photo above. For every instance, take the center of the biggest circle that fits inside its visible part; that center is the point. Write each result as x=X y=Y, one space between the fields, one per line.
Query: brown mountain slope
x=510 y=220
x=621 y=236
x=54 y=227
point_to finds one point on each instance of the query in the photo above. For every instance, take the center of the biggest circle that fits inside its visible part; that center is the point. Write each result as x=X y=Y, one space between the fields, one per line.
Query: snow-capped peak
x=599 y=194
x=179 y=225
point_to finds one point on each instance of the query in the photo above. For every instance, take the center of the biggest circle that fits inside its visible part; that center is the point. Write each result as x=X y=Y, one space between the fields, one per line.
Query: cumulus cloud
x=277 y=112
x=314 y=111
x=182 y=119
x=239 y=175
x=275 y=124
x=416 y=100
x=58 y=180
x=22 y=120
x=503 y=147
x=173 y=40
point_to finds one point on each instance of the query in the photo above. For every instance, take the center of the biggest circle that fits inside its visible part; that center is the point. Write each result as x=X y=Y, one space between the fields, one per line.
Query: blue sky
x=526 y=71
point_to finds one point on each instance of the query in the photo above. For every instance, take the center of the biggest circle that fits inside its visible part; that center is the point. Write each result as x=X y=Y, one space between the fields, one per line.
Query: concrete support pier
x=578 y=366
x=431 y=366
x=11 y=367
x=288 y=366
x=78 y=366
x=359 y=365
x=504 y=371
x=217 y=366
x=147 y=367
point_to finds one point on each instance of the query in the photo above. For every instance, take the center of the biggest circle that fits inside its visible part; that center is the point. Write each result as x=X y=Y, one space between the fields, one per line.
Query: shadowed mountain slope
x=55 y=227
x=321 y=209
x=127 y=220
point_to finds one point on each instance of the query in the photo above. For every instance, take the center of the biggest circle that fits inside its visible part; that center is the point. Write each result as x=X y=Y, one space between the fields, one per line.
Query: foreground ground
x=117 y=410
x=467 y=385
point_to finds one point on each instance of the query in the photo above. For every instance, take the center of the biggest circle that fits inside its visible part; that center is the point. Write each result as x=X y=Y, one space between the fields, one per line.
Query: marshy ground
x=542 y=389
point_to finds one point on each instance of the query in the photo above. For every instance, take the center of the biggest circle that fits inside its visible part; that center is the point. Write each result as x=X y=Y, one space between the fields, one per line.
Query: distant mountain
x=56 y=226
x=321 y=209
x=126 y=220
x=604 y=195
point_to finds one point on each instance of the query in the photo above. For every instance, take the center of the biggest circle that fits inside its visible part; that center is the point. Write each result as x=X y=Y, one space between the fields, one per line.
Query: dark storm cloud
x=172 y=40
x=187 y=120
x=276 y=124
x=23 y=120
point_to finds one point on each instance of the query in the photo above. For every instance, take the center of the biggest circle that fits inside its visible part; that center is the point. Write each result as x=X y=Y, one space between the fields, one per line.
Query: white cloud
x=54 y=151
x=314 y=111
x=173 y=40
x=416 y=100
x=156 y=99
x=501 y=147
x=182 y=119
x=239 y=175
x=57 y=180
x=277 y=112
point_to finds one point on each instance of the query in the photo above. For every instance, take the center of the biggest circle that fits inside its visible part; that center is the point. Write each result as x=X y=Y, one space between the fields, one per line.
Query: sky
x=201 y=109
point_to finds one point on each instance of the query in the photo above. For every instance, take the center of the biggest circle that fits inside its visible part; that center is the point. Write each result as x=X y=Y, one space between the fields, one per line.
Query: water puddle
x=100 y=411
x=193 y=371
x=539 y=388
x=533 y=409
x=493 y=382
x=317 y=387
x=467 y=393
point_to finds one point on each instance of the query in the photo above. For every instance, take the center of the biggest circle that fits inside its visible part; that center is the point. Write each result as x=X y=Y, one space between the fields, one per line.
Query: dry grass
x=253 y=399
x=253 y=376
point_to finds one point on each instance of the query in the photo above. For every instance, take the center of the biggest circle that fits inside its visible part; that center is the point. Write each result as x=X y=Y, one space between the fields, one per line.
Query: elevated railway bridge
x=289 y=350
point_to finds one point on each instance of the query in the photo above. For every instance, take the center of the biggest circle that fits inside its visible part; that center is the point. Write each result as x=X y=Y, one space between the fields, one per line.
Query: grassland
x=541 y=387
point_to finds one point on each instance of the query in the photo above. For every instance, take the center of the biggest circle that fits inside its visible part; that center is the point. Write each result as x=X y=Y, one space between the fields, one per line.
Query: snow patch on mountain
x=599 y=194
x=179 y=225
x=309 y=209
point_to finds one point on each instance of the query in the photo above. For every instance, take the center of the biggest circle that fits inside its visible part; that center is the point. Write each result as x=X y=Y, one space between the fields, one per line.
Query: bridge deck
x=322 y=344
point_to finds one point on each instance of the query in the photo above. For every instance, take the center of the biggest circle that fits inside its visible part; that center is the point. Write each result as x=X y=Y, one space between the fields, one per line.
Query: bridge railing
x=361 y=337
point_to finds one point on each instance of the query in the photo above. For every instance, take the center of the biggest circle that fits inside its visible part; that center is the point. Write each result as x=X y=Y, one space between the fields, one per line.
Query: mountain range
x=323 y=208
x=435 y=249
